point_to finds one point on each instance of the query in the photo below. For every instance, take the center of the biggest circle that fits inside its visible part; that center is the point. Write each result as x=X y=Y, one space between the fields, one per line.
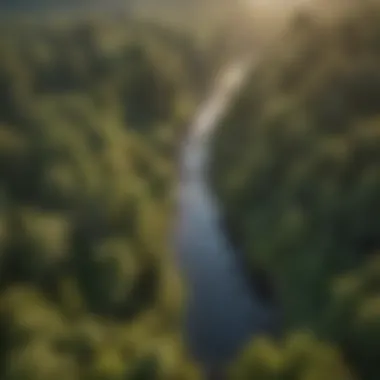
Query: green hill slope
x=296 y=165
x=90 y=114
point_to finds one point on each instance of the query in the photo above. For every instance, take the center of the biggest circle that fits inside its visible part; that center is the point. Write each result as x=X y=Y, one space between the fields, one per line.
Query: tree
x=296 y=167
x=86 y=285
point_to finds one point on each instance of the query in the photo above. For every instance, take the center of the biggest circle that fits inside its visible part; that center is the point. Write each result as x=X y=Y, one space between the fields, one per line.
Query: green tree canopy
x=87 y=290
x=296 y=165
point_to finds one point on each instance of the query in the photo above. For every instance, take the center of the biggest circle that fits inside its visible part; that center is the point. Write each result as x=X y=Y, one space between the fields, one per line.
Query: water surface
x=222 y=312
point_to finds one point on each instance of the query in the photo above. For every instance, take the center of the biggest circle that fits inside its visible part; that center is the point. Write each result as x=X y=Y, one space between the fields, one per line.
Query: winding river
x=222 y=313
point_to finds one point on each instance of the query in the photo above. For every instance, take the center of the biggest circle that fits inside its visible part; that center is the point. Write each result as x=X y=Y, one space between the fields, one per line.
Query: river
x=222 y=312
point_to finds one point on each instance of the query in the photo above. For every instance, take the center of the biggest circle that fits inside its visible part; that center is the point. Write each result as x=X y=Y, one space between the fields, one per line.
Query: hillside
x=296 y=167
x=90 y=116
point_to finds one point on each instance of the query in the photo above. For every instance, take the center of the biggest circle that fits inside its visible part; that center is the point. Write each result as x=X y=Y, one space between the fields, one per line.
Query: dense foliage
x=90 y=114
x=296 y=165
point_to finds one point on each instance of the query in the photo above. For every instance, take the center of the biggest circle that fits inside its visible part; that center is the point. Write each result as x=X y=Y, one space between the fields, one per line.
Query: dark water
x=222 y=313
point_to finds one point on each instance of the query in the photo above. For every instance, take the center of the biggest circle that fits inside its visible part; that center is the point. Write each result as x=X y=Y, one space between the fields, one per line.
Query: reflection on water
x=221 y=311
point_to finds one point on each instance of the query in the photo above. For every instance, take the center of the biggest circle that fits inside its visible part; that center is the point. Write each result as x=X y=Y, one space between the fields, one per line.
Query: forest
x=296 y=166
x=91 y=111
x=92 y=115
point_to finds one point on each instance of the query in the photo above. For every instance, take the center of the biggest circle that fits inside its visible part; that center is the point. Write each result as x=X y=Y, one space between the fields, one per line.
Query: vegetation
x=90 y=115
x=91 y=111
x=296 y=165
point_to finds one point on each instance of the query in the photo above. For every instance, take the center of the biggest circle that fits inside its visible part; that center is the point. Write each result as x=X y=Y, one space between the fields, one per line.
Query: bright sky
x=272 y=7
x=288 y=6
x=271 y=16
